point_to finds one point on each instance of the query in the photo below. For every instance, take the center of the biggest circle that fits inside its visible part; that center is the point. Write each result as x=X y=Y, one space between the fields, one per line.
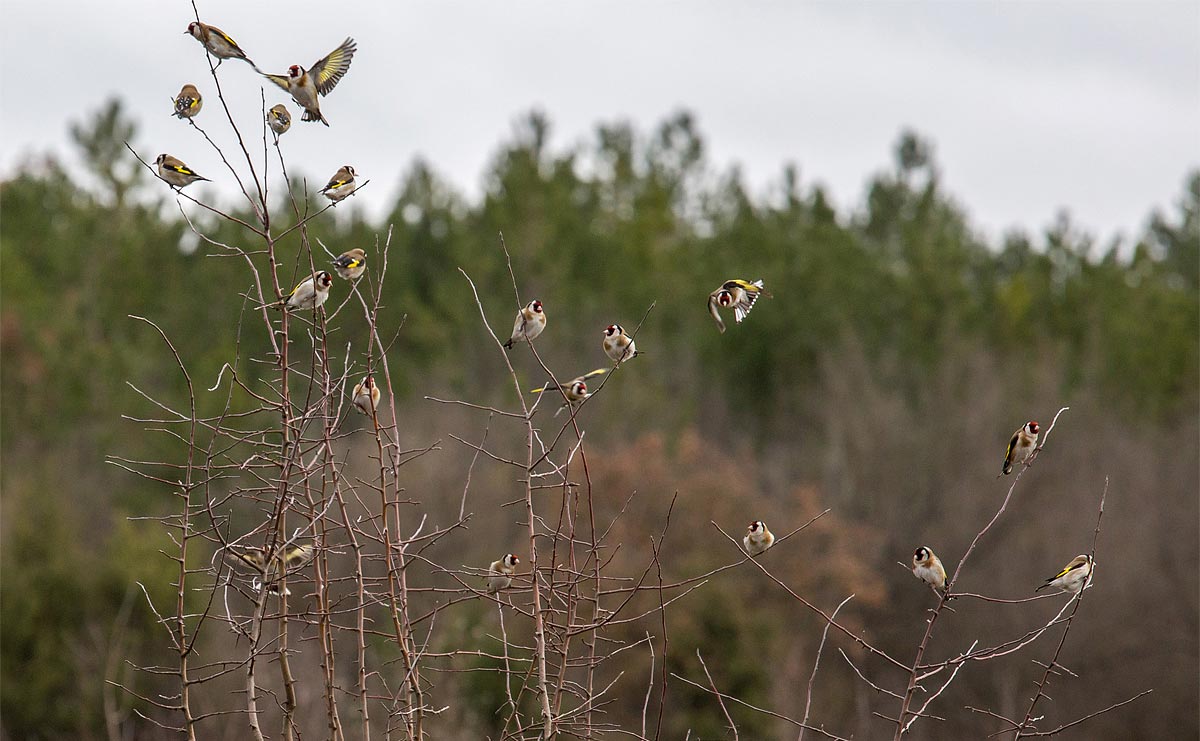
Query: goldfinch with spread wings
x=738 y=294
x=1073 y=577
x=220 y=44
x=305 y=85
x=291 y=558
x=1020 y=447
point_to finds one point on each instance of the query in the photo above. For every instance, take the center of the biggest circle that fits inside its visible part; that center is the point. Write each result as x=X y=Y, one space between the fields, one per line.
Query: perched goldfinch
x=309 y=294
x=530 y=322
x=366 y=396
x=292 y=557
x=188 y=103
x=618 y=345
x=575 y=390
x=500 y=573
x=218 y=43
x=739 y=294
x=351 y=264
x=1021 y=446
x=175 y=173
x=928 y=568
x=340 y=185
x=279 y=119
x=1072 y=578
x=758 y=538
x=304 y=85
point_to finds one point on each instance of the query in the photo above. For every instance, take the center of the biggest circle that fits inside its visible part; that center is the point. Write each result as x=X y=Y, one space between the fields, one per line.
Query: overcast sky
x=1033 y=106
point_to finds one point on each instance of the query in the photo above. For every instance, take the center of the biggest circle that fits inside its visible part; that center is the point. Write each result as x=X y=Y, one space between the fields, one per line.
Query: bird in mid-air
x=220 y=44
x=279 y=119
x=340 y=185
x=928 y=568
x=308 y=294
x=351 y=264
x=175 y=173
x=739 y=294
x=188 y=103
x=530 y=322
x=1073 y=577
x=758 y=538
x=1021 y=446
x=291 y=558
x=366 y=396
x=617 y=345
x=305 y=85
x=500 y=573
x=575 y=390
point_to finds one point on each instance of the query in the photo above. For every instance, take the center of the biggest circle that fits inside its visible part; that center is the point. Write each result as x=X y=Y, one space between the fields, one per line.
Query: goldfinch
x=366 y=396
x=928 y=568
x=309 y=294
x=1021 y=446
x=500 y=573
x=1072 y=578
x=351 y=264
x=530 y=322
x=617 y=345
x=576 y=389
x=292 y=558
x=279 y=119
x=739 y=294
x=218 y=43
x=758 y=538
x=188 y=103
x=175 y=173
x=340 y=185
x=304 y=85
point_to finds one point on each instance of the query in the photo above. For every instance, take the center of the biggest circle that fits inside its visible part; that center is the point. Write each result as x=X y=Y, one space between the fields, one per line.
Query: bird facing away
x=739 y=294
x=575 y=390
x=279 y=119
x=310 y=293
x=1021 y=446
x=500 y=573
x=618 y=346
x=928 y=568
x=351 y=264
x=218 y=43
x=1073 y=577
x=291 y=558
x=758 y=538
x=175 y=173
x=188 y=103
x=530 y=322
x=366 y=396
x=319 y=79
x=340 y=185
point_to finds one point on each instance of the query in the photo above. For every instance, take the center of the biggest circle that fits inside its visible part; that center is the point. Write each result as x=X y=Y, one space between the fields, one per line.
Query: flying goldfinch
x=1073 y=577
x=304 y=85
x=758 y=538
x=290 y=559
x=366 y=396
x=218 y=43
x=618 y=345
x=188 y=103
x=575 y=390
x=310 y=293
x=530 y=322
x=279 y=119
x=175 y=173
x=928 y=568
x=500 y=573
x=340 y=185
x=351 y=264
x=1021 y=446
x=739 y=294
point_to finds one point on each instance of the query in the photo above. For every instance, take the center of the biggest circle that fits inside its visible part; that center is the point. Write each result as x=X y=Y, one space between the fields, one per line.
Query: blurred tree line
x=883 y=379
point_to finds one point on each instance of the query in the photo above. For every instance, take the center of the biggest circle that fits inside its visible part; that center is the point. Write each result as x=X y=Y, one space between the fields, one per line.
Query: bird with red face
x=1022 y=445
x=739 y=295
x=500 y=573
x=928 y=568
x=575 y=390
x=758 y=538
x=218 y=43
x=304 y=85
x=617 y=345
x=530 y=322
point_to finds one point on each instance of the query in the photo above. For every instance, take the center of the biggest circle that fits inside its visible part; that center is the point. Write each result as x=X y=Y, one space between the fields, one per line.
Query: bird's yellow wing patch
x=326 y=72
